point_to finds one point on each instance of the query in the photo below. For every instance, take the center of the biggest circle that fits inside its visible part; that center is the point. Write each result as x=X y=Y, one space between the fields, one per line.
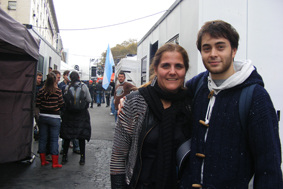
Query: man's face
x=217 y=56
x=38 y=80
x=121 y=78
x=58 y=76
x=65 y=77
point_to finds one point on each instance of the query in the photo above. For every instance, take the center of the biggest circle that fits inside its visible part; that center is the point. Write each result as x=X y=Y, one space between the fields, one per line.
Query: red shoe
x=43 y=159
x=55 y=163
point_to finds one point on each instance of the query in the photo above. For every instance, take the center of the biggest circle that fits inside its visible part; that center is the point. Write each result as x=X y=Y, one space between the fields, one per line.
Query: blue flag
x=107 y=69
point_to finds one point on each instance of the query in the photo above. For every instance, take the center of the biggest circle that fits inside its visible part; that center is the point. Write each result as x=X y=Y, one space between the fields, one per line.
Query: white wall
x=258 y=22
x=46 y=50
x=265 y=42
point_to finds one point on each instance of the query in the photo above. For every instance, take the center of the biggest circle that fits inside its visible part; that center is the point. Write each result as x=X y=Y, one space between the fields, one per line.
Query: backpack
x=74 y=98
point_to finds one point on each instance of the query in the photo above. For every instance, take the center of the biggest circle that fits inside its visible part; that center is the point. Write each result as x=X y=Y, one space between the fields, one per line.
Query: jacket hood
x=245 y=75
x=243 y=70
x=254 y=78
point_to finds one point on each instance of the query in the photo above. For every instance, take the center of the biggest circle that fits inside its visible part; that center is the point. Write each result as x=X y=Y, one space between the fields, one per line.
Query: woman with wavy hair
x=49 y=100
x=153 y=124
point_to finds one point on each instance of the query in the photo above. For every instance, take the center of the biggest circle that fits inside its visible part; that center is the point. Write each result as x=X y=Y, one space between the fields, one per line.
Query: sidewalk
x=94 y=174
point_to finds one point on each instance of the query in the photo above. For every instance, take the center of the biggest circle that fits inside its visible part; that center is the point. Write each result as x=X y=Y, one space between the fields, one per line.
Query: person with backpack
x=76 y=119
x=228 y=150
x=62 y=85
x=49 y=101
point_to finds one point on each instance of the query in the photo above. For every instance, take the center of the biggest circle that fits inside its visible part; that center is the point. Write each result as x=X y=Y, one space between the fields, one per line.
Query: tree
x=121 y=50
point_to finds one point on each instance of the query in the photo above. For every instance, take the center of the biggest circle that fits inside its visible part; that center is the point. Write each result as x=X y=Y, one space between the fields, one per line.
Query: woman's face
x=171 y=72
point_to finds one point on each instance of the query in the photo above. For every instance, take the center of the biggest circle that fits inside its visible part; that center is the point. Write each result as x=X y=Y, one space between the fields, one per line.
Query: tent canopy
x=19 y=53
x=15 y=38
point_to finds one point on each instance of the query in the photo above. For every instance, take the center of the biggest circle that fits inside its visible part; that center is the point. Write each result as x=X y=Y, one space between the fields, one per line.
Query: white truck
x=130 y=66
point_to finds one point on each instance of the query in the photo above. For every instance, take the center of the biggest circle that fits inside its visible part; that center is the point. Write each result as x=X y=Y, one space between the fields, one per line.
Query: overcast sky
x=86 y=44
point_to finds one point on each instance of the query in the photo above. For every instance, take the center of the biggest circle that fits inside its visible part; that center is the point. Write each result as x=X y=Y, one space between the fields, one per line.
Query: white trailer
x=130 y=67
x=259 y=23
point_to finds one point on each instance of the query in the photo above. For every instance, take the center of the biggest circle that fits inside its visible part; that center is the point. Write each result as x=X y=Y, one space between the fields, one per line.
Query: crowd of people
x=58 y=113
x=171 y=133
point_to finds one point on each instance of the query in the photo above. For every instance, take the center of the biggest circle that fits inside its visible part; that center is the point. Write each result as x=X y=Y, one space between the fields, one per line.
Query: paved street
x=94 y=174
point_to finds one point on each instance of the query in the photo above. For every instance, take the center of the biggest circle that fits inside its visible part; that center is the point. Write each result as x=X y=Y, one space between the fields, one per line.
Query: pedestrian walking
x=91 y=91
x=76 y=119
x=62 y=85
x=107 y=95
x=99 y=92
x=121 y=90
x=112 y=84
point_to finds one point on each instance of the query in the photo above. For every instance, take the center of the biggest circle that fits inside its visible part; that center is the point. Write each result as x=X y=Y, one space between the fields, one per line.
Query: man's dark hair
x=39 y=74
x=56 y=72
x=122 y=73
x=66 y=72
x=219 y=28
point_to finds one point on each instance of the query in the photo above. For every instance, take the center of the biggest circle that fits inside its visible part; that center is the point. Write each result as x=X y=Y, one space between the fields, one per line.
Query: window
x=174 y=39
x=40 y=64
x=12 y=5
x=50 y=58
x=143 y=70
x=93 y=71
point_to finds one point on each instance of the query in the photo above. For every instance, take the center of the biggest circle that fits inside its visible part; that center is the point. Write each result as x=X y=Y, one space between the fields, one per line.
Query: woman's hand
x=120 y=105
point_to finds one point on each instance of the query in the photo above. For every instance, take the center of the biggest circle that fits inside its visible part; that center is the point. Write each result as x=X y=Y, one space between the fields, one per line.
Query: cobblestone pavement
x=94 y=174
x=101 y=153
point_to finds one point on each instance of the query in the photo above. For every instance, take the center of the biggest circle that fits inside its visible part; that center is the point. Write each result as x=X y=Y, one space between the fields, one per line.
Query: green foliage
x=121 y=50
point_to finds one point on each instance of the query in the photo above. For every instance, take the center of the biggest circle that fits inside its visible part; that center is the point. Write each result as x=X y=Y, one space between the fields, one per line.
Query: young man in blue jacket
x=227 y=153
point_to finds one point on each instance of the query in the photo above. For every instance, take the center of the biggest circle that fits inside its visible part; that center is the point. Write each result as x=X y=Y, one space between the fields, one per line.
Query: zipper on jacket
x=140 y=153
x=75 y=97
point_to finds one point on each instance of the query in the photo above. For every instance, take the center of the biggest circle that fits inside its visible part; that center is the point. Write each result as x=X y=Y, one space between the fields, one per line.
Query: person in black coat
x=76 y=125
x=91 y=91
x=99 y=92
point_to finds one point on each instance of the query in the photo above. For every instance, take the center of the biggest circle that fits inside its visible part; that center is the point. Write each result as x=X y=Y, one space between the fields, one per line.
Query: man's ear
x=234 y=51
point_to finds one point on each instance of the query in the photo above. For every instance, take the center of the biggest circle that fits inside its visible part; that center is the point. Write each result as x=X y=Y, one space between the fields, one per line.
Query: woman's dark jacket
x=76 y=125
x=132 y=127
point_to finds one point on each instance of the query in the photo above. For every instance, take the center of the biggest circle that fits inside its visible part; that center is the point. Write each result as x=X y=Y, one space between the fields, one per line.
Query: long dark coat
x=76 y=125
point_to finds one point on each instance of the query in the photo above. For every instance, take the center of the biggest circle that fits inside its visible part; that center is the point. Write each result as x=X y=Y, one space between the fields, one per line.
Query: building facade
x=40 y=18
